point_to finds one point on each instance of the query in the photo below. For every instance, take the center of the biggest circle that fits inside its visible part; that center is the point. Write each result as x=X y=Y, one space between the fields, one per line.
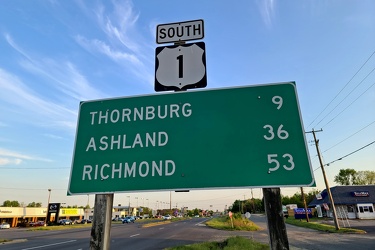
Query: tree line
x=9 y=203
x=350 y=176
x=257 y=205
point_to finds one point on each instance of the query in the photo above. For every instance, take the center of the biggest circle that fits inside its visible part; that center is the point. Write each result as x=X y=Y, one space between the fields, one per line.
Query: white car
x=167 y=217
x=4 y=225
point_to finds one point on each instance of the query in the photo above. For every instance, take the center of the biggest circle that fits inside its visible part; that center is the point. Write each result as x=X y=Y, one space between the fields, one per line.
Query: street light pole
x=129 y=205
x=49 y=197
x=137 y=206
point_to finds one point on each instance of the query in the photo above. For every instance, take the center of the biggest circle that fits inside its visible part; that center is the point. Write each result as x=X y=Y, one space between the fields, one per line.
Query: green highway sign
x=237 y=137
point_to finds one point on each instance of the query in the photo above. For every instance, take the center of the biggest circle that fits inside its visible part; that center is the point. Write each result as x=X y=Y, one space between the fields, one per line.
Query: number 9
x=278 y=100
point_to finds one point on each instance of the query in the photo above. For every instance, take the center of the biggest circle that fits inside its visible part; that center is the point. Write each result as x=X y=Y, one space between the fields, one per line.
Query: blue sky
x=55 y=54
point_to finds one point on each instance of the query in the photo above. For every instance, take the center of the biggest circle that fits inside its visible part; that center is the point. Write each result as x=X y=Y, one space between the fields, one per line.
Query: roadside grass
x=3 y=240
x=239 y=223
x=61 y=227
x=156 y=222
x=318 y=224
x=232 y=243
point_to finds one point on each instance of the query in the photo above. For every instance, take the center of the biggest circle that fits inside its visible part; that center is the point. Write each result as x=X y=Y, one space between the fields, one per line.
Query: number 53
x=272 y=159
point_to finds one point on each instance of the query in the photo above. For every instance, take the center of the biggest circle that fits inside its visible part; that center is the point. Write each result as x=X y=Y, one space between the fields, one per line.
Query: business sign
x=300 y=213
x=53 y=207
x=222 y=138
x=53 y=213
x=180 y=67
x=360 y=193
x=181 y=31
x=70 y=211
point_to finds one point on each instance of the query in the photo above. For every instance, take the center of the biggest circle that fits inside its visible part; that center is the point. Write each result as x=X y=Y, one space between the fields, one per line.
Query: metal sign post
x=101 y=225
x=275 y=219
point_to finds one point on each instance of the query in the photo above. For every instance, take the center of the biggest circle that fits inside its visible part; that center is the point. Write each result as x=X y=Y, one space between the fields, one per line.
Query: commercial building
x=351 y=202
x=17 y=216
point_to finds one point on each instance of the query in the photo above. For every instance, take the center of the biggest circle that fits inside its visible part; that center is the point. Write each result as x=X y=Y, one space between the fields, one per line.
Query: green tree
x=249 y=205
x=253 y=206
x=236 y=207
x=193 y=212
x=190 y=213
x=147 y=210
x=365 y=177
x=34 y=204
x=295 y=199
x=9 y=203
x=346 y=177
x=196 y=211
x=311 y=195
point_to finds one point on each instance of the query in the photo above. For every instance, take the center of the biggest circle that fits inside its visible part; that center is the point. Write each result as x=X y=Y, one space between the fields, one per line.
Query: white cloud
x=102 y=47
x=65 y=83
x=69 y=80
x=11 y=157
x=7 y=161
x=267 y=11
x=120 y=40
x=15 y=92
x=120 y=23
x=53 y=136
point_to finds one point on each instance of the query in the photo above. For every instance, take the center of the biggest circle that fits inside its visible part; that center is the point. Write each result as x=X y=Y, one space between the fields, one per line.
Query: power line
x=29 y=188
x=349 y=105
x=339 y=159
x=343 y=99
x=355 y=151
x=32 y=168
x=349 y=136
x=342 y=88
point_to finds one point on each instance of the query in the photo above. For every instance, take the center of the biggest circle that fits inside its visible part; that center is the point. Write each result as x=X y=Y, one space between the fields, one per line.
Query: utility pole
x=252 y=200
x=325 y=179
x=170 y=200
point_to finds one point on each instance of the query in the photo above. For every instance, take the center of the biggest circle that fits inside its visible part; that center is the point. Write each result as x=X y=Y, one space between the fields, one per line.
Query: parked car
x=285 y=212
x=128 y=219
x=85 y=221
x=4 y=225
x=167 y=217
x=38 y=224
x=66 y=222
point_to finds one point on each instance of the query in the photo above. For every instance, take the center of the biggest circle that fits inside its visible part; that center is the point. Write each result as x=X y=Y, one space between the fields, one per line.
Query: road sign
x=180 y=67
x=181 y=31
x=222 y=138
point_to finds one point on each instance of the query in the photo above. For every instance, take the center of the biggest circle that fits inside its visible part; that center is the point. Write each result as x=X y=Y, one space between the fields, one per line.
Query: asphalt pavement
x=133 y=236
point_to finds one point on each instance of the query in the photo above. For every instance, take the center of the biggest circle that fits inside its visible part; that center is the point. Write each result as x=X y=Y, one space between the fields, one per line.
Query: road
x=132 y=236
x=304 y=238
